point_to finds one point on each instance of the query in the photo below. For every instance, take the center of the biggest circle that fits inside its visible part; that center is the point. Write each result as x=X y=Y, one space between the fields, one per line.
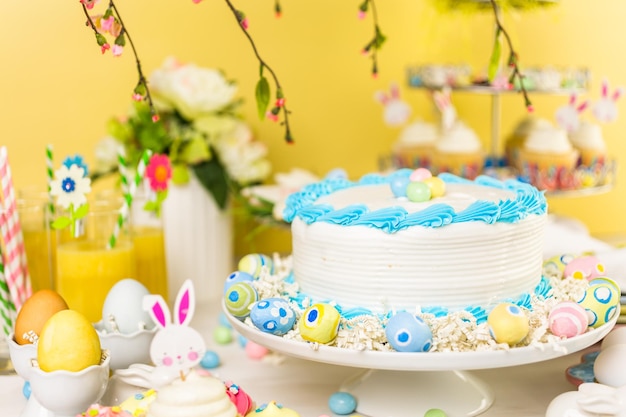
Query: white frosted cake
x=360 y=246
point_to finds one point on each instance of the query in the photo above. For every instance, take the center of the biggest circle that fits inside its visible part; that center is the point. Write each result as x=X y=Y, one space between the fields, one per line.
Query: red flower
x=159 y=171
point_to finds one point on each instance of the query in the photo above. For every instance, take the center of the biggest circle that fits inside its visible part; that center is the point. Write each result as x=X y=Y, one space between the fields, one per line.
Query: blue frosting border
x=302 y=204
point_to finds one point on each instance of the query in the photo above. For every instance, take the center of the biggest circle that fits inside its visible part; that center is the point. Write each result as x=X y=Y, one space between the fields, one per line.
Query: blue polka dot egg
x=408 y=333
x=253 y=264
x=319 y=323
x=601 y=301
x=239 y=298
x=508 y=323
x=235 y=277
x=273 y=315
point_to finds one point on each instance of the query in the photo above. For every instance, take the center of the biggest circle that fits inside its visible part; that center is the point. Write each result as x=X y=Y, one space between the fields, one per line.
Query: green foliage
x=212 y=176
x=262 y=94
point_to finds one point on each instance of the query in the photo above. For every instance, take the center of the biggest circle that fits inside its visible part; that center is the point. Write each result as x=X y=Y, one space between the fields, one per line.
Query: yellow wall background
x=56 y=87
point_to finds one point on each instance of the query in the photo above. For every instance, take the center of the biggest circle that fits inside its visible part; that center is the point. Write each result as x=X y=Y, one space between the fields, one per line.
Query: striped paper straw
x=50 y=175
x=129 y=195
x=15 y=267
x=7 y=308
x=122 y=166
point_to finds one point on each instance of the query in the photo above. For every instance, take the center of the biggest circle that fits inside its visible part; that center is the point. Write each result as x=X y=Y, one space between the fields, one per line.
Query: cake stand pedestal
x=403 y=384
x=408 y=394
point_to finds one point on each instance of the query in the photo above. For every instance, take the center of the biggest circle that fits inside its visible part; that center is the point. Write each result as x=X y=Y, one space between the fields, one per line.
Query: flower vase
x=198 y=241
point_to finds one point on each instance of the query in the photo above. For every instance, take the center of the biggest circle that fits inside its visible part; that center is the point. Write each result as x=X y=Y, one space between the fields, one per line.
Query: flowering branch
x=513 y=57
x=262 y=92
x=112 y=22
x=378 y=40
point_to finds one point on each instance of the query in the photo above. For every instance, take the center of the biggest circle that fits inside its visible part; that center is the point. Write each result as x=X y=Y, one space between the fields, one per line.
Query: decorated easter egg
x=235 y=277
x=408 y=333
x=584 y=267
x=508 y=323
x=319 y=323
x=555 y=266
x=398 y=185
x=417 y=192
x=123 y=310
x=607 y=281
x=253 y=263
x=68 y=341
x=273 y=315
x=568 y=319
x=239 y=298
x=420 y=174
x=601 y=302
x=35 y=311
x=437 y=186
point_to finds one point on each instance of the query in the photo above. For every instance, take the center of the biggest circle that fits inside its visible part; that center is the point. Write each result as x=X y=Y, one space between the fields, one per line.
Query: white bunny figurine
x=443 y=101
x=605 y=109
x=396 y=112
x=591 y=400
x=568 y=116
x=176 y=347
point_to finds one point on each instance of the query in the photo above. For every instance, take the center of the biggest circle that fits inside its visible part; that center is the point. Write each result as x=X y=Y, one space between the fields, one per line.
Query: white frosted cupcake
x=548 y=157
x=459 y=151
x=589 y=142
x=415 y=145
x=517 y=138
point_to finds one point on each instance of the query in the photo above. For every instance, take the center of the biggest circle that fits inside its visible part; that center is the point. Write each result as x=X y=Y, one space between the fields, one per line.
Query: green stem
x=264 y=65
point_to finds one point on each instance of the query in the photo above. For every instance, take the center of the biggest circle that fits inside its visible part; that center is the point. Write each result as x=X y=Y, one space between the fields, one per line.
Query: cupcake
x=589 y=142
x=548 y=157
x=459 y=152
x=414 y=147
x=516 y=140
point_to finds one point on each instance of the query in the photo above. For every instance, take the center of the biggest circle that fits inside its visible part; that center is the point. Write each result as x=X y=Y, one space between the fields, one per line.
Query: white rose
x=190 y=89
x=243 y=158
x=106 y=154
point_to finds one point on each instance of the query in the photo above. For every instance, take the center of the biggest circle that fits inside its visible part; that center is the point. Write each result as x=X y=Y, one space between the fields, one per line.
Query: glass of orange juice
x=34 y=212
x=86 y=267
x=147 y=233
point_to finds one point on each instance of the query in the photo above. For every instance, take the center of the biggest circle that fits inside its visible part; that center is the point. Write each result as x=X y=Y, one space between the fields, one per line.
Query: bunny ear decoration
x=381 y=97
x=444 y=104
x=605 y=109
x=568 y=116
x=185 y=304
x=158 y=310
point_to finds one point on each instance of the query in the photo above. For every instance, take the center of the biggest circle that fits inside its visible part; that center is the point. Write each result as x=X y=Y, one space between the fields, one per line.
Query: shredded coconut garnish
x=457 y=331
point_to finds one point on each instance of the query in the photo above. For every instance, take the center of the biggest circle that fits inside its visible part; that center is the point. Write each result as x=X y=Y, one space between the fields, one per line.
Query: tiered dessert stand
x=395 y=384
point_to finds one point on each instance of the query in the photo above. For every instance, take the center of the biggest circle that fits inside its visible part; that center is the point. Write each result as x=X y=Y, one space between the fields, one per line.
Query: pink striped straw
x=15 y=266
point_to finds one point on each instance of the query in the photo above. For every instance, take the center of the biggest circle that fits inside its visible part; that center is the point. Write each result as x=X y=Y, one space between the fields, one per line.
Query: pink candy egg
x=256 y=351
x=568 y=319
x=420 y=174
x=585 y=267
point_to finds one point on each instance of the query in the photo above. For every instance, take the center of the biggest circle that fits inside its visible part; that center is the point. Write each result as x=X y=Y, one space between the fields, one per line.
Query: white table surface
x=305 y=386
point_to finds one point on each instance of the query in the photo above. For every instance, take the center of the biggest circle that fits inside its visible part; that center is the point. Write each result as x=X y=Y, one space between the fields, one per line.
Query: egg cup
x=64 y=393
x=126 y=349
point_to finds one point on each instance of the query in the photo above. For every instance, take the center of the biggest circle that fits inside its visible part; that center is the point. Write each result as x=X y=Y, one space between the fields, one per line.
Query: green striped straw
x=122 y=166
x=7 y=308
x=129 y=195
x=50 y=175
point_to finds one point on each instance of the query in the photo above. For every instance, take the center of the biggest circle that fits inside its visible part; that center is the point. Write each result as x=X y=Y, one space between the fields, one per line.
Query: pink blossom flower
x=137 y=97
x=244 y=23
x=105 y=48
x=159 y=171
x=280 y=102
x=117 y=50
x=273 y=117
x=107 y=24
x=89 y=3
x=196 y=1
x=361 y=14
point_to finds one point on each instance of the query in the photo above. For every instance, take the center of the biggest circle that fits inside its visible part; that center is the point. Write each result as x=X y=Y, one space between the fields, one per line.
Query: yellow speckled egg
x=34 y=314
x=68 y=341
x=319 y=323
x=254 y=263
x=508 y=323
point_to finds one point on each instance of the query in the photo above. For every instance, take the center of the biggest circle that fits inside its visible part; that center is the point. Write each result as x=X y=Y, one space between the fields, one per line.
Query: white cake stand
x=398 y=384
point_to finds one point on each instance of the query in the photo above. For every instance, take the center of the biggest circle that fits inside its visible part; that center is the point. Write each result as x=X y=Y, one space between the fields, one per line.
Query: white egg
x=617 y=336
x=123 y=308
x=609 y=367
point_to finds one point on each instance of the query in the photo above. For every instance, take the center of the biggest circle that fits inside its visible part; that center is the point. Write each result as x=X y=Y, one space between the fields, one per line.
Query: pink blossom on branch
x=89 y=3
